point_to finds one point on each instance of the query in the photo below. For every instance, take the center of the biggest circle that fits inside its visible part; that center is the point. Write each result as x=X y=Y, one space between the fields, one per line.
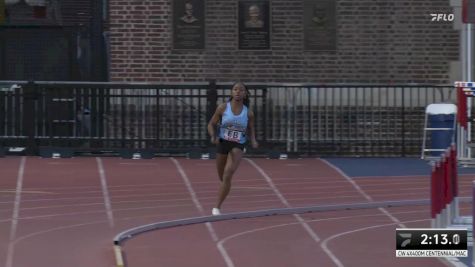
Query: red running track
x=66 y=212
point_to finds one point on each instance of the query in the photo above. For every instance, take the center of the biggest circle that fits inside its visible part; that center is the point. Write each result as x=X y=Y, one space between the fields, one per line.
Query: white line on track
x=138 y=163
x=157 y=207
x=27 y=192
x=211 y=230
x=161 y=185
x=358 y=188
x=204 y=190
x=221 y=243
x=252 y=187
x=284 y=201
x=105 y=192
x=328 y=239
x=467 y=209
x=16 y=212
x=65 y=227
x=308 y=221
x=164 y=197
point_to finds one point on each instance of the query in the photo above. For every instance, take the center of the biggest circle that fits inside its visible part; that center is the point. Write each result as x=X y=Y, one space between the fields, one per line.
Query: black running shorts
x=224 y=146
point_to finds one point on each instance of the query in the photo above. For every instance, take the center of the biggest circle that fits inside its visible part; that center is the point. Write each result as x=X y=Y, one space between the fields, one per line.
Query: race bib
x=232 y=135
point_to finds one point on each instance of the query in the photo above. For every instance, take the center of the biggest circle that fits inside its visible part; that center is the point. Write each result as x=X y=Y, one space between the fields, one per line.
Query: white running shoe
x=215 y=211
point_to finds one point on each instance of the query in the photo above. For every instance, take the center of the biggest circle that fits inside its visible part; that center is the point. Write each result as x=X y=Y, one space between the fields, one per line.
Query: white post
x=438 y=220
x=456 y=208
x=448 y=215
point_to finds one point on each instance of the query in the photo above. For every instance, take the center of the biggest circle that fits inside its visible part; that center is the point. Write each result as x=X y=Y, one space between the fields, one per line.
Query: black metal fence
x=327 y=120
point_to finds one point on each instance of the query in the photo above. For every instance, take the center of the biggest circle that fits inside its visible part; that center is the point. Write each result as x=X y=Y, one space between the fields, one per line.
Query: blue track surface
x=363 y=167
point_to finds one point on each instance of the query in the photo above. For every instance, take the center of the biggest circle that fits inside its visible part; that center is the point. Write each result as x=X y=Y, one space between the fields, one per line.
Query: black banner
x=188 y=24
x=319 y=22
x=254 y=24
x=431 y=239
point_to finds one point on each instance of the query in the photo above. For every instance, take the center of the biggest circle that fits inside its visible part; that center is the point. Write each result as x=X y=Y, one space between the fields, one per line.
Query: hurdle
x=444 y=190
x=465 y=91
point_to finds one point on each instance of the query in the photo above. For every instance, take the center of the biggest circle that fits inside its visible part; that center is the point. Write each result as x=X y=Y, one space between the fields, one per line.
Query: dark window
x=47 y=12
x=32 y=12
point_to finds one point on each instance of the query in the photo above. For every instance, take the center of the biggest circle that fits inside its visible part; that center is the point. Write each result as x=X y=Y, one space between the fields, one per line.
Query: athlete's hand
x=254 y=144
x=214 y=140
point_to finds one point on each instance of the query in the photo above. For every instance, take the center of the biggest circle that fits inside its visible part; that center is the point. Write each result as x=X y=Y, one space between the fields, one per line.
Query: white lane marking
x=274 y=188
x=27 y=192
x=153 y=207
x=138 y=163
x=313 y=220
x=197 y=203
x=16 y=212
x=105 y=192
x=328 y=239
x=252 y=187
x=23 y=238
x=358 y=188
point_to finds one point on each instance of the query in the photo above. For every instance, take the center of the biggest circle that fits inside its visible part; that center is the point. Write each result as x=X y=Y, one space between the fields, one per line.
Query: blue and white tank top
x=233 y=127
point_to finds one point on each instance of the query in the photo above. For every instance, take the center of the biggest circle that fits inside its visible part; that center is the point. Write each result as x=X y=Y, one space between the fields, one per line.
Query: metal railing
x=329 y=120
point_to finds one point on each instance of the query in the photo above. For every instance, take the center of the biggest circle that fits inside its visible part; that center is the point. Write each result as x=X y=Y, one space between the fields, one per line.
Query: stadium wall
x=378 y=41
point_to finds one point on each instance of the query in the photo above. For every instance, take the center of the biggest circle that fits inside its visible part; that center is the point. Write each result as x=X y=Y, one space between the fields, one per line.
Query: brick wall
x=379 y=41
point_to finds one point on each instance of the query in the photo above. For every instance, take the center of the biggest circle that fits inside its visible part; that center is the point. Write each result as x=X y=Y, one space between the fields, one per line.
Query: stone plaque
x=319 y=19
x=254 y=24
x=188 y=24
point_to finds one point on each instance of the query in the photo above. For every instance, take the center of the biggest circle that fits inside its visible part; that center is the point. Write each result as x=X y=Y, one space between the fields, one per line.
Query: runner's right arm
x=214 y=121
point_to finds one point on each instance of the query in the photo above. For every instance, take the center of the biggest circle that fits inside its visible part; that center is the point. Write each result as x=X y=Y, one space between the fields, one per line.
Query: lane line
x=105 y=192
x=308 y=221
x=197 y=203
x=361 y=191
x=252 y=231
x=178 y=214
x=27 y=192
x=297 y=197
x=305 y=190
x=138 y=163
x=453 y=262
x=252 y=188
x=330 y=238
x=146 y=207
x=284 y=201
x=16 y=212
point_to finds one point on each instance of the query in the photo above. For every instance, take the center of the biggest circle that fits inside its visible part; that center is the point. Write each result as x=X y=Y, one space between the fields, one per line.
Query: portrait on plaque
x=254 y=24
x=188 y=24
x=319 y=23
x=188 y=17
x=254 y=17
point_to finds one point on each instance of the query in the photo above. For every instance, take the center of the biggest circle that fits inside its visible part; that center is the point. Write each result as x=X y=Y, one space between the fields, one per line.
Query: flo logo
x=442 y=17
x=407 y=239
